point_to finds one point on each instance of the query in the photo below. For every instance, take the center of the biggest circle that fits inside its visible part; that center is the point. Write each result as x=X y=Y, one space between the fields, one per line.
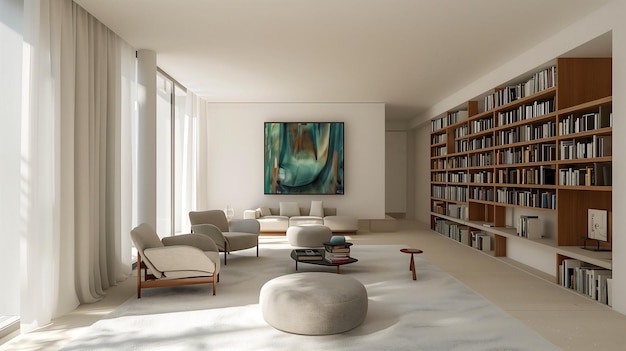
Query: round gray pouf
x=308 y=235
x=313 y=303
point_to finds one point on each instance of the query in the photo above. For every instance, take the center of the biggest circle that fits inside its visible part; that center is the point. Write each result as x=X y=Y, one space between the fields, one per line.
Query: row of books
x=461 y=131
x=457 y=116
x=438 y=123
x=526 y=133
x=586 y=279
x=536 y=109
x=588 y=121
x=440 y=151
x=458 y=162
x=596 y=146
x=478 y=239
x=457 y=177
x=542 y=176
x=540 y=81
x=481 y=159
x=596 y=174
x=480 y=125
x=460 y=211
x=438 y=138
x=530 y=153
x=456 y=193
x=481 y=240
x=600 y=174
x=528 y=198
x=455 y=231
x=483 y=194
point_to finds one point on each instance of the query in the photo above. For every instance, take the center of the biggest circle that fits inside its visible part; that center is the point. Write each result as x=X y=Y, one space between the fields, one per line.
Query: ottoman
x=308 y=235
x=341 y=223
x=313 y=303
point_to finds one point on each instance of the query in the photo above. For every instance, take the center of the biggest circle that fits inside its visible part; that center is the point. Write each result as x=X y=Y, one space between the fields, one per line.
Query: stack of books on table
x=337 y=253
x=309 y=255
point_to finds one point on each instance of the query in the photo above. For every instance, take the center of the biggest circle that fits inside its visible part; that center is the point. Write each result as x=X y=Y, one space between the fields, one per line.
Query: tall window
x=164 y=176
x=11 y=44
x=171 y=152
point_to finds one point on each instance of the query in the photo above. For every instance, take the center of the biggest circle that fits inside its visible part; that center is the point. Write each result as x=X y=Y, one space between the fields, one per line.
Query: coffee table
x=322 y=262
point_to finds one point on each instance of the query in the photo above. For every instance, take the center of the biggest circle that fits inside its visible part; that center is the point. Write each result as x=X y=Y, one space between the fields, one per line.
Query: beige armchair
x=178 y=260
x=229 y=236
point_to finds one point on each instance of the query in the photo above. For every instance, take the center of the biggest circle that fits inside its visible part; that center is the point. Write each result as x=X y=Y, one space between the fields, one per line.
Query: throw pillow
x=265 y=211
x=317 y=209
x=289 y=209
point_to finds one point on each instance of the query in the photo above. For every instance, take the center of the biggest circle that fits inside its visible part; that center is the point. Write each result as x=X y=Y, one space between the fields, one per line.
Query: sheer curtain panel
x=75 y=170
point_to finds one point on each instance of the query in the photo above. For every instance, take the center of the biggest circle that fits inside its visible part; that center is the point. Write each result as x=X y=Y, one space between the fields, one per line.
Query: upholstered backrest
x=144 y=237
x=215 y=217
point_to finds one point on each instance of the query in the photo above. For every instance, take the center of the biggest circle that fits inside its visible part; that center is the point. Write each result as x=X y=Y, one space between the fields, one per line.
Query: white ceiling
x=409 y=54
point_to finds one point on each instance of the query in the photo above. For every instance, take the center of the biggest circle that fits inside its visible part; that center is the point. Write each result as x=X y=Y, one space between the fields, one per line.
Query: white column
x=619 y=158
x=146 y=137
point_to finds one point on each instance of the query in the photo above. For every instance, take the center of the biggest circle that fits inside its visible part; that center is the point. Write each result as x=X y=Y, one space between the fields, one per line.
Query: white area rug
x=435 y=312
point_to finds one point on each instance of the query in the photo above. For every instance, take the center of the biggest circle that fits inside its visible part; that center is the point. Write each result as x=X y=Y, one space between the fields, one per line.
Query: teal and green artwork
x=304 y=158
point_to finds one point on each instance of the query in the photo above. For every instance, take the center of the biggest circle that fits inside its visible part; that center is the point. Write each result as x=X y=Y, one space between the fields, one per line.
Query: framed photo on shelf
x=597 y=225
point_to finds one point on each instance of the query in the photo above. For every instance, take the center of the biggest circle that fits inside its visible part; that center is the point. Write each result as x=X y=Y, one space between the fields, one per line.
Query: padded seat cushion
x=313 y=303
x=308 y=235
x=241 y=240
x=300 y=220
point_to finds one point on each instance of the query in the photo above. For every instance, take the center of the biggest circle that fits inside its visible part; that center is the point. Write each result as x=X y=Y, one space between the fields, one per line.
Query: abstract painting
x=304 y=158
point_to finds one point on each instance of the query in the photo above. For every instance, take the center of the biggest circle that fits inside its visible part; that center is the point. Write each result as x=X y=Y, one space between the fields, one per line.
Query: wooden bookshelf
x=547 y=149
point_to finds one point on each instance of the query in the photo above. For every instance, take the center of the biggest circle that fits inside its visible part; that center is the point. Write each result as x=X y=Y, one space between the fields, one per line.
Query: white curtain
x=75 y=169
x=193 y=155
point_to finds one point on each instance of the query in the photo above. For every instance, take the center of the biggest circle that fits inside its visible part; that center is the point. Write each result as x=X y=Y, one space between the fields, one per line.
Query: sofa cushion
x=300 y=220
x=289 y=209
x=265 y=211
x=317 y=209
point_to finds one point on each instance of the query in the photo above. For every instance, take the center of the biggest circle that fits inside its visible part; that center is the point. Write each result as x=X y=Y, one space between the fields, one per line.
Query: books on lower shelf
x=481 y=240
x=529 y=227
x=586 y=279
x=337 y=253
x=308 y=255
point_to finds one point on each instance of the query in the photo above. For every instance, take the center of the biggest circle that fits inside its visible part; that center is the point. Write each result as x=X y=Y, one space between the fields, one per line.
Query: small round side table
x=412 y=264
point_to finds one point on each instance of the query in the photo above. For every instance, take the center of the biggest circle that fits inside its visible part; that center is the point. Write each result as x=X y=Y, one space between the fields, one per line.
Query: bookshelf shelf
x=544 y=149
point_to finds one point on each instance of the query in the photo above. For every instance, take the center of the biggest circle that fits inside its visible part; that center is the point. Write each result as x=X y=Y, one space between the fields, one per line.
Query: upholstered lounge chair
x=230 y=236
x=178 y=260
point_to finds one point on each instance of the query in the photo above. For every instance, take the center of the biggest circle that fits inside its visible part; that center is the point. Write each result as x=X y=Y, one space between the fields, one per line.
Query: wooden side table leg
x=413 y=267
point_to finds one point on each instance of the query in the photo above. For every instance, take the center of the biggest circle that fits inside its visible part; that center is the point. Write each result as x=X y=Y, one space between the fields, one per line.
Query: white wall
x=422 y=173
x=395 y=175
x=608 y=18
x=235 y=148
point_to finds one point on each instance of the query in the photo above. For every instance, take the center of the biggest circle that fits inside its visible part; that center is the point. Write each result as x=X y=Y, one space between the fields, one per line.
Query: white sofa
x=278 y=220
x=273 y=220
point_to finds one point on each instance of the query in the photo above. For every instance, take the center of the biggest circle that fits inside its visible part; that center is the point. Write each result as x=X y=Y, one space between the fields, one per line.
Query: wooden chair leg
x=215 y=278
x=138 y=275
